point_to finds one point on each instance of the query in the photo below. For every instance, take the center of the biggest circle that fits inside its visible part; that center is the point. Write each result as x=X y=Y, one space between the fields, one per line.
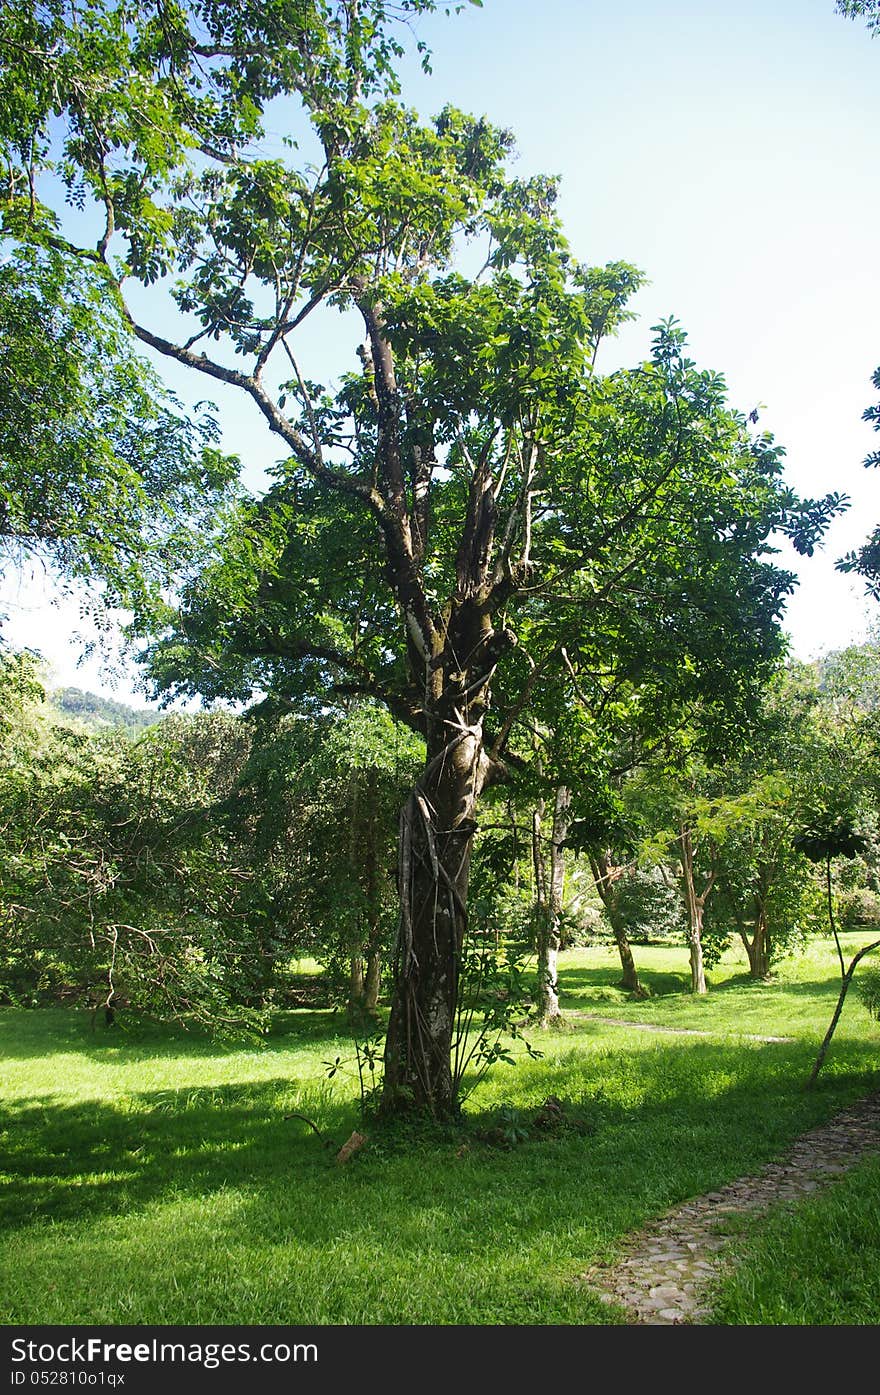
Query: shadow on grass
x=31 y=1033
x=659 y=1125
x=587 y=981
x=67 y=1161
x=589 y=984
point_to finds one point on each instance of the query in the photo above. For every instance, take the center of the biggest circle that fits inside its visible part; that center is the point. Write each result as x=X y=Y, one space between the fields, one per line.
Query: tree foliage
x=869 y=10
x=314 y=818
x=865 y=560
x=101 y=473
x=117 y=888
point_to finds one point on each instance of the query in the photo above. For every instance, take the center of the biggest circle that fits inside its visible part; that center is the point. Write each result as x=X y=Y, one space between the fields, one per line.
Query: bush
x=868 y=984
x=651 y=909
x=859 y=905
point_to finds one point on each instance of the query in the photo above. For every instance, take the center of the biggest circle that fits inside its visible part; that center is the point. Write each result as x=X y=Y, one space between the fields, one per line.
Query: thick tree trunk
x=549 y=919
x=436 y=837
x=756 y=945
x=355 y=984
x=629 y=976
x=606 y=877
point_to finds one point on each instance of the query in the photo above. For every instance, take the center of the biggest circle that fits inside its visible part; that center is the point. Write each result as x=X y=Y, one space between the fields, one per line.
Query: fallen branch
x=327 y=1142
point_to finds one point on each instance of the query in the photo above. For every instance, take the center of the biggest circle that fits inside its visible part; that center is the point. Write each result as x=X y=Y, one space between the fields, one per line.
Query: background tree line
x=184 y=870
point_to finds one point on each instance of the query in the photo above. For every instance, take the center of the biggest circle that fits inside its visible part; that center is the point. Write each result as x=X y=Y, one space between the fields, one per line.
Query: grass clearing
x=150 y=1176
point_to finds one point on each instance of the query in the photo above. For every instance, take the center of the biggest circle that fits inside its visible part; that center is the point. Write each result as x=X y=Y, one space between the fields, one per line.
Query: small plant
x=512 y=1128
x=553 y=1119
x=367 y=1060
x=494 y=996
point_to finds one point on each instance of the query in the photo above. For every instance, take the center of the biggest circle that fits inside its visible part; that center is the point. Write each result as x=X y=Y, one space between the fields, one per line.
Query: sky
x=729 y=150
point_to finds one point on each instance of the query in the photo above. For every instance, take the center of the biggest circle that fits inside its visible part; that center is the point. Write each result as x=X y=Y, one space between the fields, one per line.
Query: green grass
x=815 y=1265
x=150 y=1176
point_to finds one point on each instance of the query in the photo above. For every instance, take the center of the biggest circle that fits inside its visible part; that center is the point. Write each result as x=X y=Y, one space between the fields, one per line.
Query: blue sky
x=730 y=151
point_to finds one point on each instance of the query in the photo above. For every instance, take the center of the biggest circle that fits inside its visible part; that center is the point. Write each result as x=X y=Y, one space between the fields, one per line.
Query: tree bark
x=757 y=943
x=355 y=984
x=452 y=653
x=549 y=907
x=436 y=838
x=606 y=877
x=758 y=947
x=696 y=906
x=372 y=981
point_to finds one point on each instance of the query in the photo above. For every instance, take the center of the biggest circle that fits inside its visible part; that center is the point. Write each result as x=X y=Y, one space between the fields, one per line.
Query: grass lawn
x=150 y=1176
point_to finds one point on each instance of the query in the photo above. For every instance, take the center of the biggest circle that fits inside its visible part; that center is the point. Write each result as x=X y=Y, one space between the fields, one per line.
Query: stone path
x=664 y=1272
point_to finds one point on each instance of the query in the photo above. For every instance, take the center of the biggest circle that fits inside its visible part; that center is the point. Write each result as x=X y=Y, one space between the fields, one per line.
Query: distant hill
x=98 y=711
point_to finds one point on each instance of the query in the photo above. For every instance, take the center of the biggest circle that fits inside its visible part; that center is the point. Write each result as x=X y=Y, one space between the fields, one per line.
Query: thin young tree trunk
x=550 y=910
x=759 y=950
x=698 y=972
x=695 y=905
x=844 y=989
x=372 y=948
x=606 y=877
x=356 y=969
x=831 y=913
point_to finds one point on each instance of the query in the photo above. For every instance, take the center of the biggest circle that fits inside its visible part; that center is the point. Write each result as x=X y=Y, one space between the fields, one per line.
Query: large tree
x=475 y=528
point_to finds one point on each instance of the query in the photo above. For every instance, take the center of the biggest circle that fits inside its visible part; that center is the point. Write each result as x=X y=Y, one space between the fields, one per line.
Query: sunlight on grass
x=151 y=1176
x=815 y=1265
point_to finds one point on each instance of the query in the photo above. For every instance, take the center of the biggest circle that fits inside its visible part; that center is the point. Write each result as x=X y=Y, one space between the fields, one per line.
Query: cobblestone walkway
x=663 y=1275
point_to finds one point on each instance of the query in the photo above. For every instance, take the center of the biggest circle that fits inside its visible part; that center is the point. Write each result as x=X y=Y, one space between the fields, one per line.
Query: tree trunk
x=549 y=920
x=698 y=973
x=436 y=838
x=695 y=906
x=629 y=978
x=356 y=984
x=606 y=876
x=372 y=981
x=844 y=989
x=758 y=947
